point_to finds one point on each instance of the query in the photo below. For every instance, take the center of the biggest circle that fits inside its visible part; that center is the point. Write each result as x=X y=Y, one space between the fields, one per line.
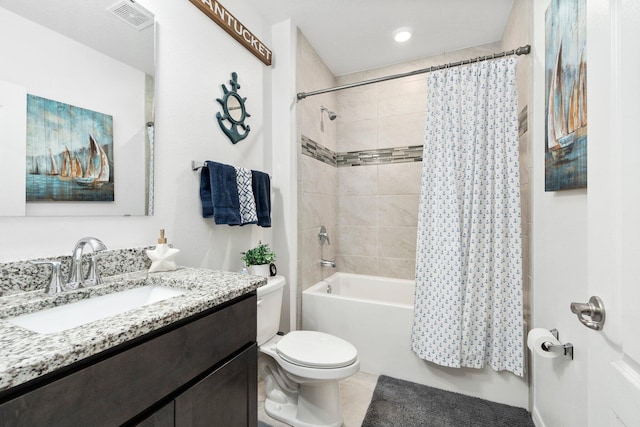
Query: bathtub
x=375 y=314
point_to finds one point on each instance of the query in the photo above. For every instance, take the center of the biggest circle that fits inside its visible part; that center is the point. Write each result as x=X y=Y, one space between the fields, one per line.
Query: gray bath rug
x=263 y=424
x=402 y=403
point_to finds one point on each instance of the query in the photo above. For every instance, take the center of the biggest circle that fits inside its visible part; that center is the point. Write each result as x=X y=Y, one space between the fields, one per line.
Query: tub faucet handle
x=323 y=236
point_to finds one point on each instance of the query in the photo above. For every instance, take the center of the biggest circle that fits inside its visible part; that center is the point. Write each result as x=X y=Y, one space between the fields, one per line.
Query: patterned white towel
x=245 y=194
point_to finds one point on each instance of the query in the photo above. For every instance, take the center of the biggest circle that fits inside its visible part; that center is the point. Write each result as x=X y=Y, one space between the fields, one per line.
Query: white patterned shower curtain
x=468 y=305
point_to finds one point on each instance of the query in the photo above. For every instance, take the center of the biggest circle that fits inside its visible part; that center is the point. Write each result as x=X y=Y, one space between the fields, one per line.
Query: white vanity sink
x=63 y=317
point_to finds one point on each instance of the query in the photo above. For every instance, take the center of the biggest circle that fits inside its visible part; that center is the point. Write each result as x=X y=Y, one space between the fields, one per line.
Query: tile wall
x=377 y=219
x=317 y=180
x=378 y=204
x=518 y=32
x=371 y=209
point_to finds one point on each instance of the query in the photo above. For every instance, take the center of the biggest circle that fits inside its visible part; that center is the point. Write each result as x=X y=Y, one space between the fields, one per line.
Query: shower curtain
x=468 y=302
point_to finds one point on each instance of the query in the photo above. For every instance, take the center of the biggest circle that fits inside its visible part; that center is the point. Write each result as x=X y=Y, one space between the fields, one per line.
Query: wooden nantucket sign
x=221 y=16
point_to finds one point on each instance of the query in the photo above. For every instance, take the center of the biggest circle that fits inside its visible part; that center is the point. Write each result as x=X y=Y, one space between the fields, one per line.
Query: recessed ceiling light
x=402 y=34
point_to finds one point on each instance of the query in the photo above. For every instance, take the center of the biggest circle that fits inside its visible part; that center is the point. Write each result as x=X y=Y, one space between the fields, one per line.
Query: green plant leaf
x=261 y=254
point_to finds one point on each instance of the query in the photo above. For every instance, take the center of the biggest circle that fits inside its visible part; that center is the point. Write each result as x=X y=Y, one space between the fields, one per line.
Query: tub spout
x=327 y=263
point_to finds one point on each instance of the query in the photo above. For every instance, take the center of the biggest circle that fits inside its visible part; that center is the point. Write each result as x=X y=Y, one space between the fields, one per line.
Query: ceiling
x=356 y=35
x=88 y=23
x=349 y=35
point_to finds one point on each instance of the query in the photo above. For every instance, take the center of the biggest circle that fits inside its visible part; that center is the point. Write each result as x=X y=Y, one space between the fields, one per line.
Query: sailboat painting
x=566 y=96
x=69 y=153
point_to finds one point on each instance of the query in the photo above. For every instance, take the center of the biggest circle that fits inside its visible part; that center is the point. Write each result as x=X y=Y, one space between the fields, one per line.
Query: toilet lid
x=316 y=350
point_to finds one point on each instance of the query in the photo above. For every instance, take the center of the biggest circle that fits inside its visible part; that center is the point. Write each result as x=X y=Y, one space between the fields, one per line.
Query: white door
x=613 y=43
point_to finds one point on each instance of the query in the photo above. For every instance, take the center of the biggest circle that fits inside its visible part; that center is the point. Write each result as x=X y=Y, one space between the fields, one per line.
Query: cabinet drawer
x=118 y=388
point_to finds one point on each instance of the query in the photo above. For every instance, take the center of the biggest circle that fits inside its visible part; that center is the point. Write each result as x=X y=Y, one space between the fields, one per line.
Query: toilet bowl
x=301 y=369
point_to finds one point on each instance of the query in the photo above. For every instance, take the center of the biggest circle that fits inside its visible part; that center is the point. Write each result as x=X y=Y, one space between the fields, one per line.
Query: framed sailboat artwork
x=69 y=153
x=566 y=96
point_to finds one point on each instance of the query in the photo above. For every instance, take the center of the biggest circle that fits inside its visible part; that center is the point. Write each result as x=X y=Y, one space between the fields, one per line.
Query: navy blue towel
x=219 y=193
x=261 y=186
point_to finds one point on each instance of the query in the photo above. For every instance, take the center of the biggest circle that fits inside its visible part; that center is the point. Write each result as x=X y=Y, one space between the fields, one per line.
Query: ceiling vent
x=133 y=14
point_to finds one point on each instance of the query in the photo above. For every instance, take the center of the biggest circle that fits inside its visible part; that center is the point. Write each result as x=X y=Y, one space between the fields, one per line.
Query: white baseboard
x=537 y=420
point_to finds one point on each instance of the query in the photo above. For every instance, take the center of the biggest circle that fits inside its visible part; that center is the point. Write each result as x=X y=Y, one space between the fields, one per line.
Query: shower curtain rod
x=523 y=50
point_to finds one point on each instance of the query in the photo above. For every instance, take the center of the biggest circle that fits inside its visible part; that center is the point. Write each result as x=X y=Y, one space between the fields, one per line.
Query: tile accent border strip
x=381 y=156
x=411 y=153
x=317 y=151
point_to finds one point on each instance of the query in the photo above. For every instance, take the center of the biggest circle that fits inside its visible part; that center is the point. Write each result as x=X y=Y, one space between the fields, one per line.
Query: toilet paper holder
x=564 y=349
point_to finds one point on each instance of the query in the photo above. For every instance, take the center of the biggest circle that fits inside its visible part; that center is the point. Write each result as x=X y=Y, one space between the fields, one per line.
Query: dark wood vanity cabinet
x=225 y=397
x=200 y=371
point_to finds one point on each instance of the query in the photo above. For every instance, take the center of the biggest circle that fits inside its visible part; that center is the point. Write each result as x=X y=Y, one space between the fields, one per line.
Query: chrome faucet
x=327 y=263
x=55 y=283
x=323 y=236
x=93 y=275
x=76 y=276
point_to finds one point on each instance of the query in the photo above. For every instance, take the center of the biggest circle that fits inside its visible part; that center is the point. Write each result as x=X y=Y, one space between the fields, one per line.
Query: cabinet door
x=226 y=397
x=163 y=417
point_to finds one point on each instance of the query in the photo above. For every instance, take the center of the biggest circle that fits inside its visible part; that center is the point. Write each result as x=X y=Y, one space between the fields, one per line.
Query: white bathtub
x=375 y=314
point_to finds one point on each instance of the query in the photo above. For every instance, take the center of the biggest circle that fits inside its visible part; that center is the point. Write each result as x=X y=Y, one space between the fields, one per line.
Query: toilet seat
x=318 y=350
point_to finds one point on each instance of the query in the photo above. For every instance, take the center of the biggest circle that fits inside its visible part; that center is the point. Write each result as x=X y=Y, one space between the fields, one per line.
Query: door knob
x=591 y=314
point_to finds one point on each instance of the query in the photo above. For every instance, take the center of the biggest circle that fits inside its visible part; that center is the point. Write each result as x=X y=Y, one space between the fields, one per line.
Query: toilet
x=301 y=369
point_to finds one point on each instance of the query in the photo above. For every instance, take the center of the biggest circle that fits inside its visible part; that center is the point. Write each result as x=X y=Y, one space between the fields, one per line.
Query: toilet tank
x=269 y=307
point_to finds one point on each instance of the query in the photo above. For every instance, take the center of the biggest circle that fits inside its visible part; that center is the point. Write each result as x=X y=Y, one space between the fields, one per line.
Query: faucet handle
x=55 y=282
x=93 y=275
x=323 y=236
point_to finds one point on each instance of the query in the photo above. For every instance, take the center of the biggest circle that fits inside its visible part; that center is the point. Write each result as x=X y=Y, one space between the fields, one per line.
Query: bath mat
x=402 y=403
x=263 y=424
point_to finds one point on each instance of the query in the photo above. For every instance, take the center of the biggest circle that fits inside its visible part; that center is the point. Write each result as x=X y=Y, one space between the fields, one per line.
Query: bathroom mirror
x=96 y=56
x=235 y=108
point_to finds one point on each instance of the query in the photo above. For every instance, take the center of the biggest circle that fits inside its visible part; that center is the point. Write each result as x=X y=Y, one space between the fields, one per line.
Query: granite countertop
x=26 y=355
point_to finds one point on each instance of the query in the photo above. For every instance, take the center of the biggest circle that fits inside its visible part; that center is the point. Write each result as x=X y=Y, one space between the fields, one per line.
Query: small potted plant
x=259 y=259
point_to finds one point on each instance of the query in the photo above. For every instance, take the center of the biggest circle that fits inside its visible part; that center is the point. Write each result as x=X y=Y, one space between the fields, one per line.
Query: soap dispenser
x=163 y=256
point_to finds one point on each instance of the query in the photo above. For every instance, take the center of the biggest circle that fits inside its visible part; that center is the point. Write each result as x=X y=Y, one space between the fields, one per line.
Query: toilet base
x=301 y=396
x=318 y=405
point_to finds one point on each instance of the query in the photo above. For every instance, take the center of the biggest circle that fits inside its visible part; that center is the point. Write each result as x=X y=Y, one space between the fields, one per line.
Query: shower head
x=331 y=114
